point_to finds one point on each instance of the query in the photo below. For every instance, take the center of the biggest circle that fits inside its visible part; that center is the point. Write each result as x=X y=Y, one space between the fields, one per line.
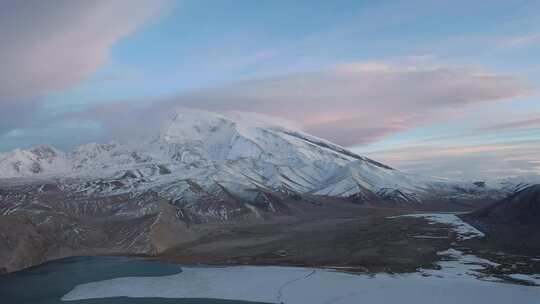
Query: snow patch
x=463 y=230
x=533 y=279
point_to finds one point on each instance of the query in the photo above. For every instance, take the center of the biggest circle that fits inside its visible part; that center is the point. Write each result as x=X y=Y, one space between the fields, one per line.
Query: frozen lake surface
x=456 y=282
x=47 y=283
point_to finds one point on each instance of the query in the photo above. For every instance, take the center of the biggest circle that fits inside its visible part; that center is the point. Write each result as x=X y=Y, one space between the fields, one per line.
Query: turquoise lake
x=47 y=283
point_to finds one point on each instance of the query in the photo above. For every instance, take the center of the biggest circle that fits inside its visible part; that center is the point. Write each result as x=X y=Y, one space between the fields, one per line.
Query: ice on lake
x=456 y=282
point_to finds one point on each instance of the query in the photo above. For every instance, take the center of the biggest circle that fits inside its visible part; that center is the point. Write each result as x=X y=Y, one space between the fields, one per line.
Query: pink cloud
x=482 y=161
x=514 y=125
x=360 y=102
x=352 y=104
x=49 y=46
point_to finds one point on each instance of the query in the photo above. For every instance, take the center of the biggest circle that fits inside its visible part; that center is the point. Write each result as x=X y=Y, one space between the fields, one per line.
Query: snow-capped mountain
x=202 y=168
x=41 y=160
x=517 y=183
x=203 y=154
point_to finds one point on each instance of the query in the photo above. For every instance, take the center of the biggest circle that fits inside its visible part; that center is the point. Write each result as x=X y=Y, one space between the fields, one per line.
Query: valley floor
x=353 y=239
x=343 y=253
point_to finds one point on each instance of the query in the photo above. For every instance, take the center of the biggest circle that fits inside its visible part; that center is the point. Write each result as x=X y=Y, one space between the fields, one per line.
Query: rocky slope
x=520 y=208
x=513 y=221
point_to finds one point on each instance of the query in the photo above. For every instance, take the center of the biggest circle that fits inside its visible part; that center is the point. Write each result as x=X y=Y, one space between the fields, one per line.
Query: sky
x=442 y=88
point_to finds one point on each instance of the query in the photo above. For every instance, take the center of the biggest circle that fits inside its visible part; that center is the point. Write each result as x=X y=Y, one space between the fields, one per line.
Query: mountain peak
x=43 y=159
x=46 y=152
x=197 y=125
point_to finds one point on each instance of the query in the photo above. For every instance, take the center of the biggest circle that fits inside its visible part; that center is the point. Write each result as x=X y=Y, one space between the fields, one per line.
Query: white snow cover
x=242 y=149
x=239 y=152
x=533 y=279
x=42 y=160
x=517 y=183
x=463 y=229
x=359 y=174
x=458 y=281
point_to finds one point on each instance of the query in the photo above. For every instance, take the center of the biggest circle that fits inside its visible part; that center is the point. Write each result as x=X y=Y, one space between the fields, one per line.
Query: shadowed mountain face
x=513 y=221
x=521 y=208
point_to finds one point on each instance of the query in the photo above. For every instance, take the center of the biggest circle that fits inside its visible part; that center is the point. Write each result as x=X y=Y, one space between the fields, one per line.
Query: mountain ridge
x=242 y=152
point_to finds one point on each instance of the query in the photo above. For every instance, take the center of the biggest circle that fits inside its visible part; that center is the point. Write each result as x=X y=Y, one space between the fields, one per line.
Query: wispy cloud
x=520 y=41
x=360 y=102
x=529 y=123
x=355 y=103
x=482 y=161
x=51 y=45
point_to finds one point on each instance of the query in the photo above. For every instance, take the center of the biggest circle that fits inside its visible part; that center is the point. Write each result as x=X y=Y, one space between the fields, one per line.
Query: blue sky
x=447 y=88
